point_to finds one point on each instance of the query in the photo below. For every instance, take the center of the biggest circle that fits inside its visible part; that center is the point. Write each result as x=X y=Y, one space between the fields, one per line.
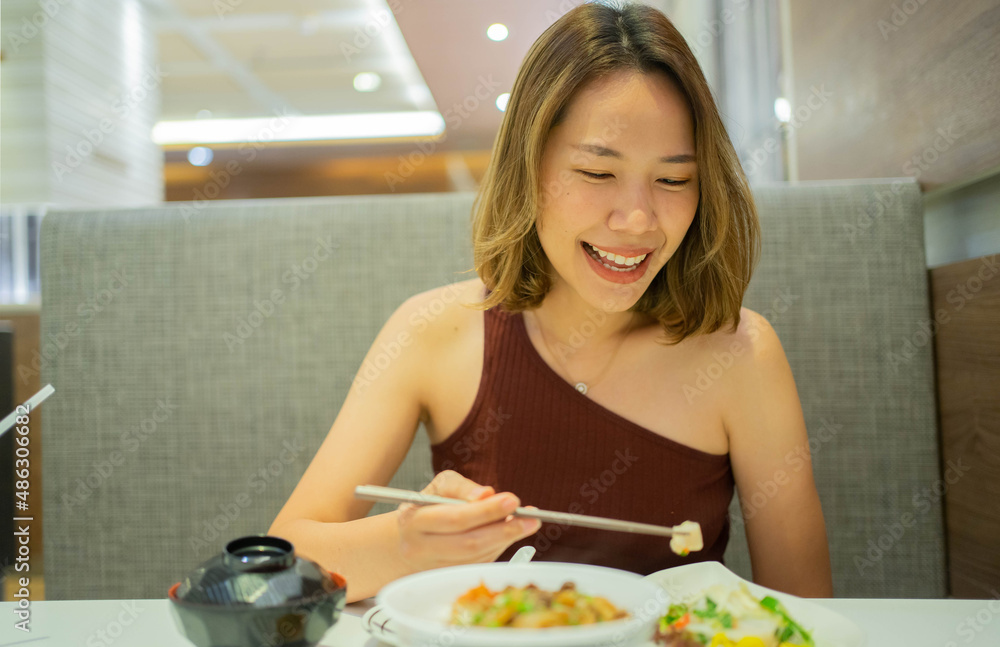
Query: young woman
x=615 y=235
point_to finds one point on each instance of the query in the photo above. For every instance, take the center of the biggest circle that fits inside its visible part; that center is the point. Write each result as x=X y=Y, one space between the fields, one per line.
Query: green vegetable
x=675 y=612
x=772 y=605
x=722 y=619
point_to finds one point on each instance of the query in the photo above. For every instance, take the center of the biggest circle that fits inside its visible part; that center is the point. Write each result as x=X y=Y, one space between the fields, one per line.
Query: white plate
x=829 y=629
x=378 y=623
x=414 y=610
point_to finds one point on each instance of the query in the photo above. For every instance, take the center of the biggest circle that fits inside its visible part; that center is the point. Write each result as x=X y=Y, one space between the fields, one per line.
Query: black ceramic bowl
x=257 y=593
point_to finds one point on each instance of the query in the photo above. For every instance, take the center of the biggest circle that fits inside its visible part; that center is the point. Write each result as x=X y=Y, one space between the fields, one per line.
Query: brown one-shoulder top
x=532 y=433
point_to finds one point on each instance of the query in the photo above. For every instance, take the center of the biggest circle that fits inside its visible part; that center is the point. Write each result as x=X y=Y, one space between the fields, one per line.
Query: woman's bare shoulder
x=750 y=336
x=440 y=312
x=756 y=334
x=751 y=356
x=447 y=331
x=730 y=356
x=448 y=298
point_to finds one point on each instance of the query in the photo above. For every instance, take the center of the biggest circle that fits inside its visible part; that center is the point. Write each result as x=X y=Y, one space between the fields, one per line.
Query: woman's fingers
x=449 y=484
x=477 y=531
x=453 y=485
x=486 y=542
x=448 y=519
x=531 y=526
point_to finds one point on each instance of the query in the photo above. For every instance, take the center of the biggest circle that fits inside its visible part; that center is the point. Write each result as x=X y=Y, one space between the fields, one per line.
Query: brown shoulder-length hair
x=702 y=285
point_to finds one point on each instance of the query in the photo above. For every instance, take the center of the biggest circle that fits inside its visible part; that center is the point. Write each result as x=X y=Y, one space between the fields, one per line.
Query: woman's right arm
x=368 y=441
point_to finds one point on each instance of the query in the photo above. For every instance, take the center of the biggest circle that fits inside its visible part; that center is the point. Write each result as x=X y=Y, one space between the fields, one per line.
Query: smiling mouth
x=614 y=262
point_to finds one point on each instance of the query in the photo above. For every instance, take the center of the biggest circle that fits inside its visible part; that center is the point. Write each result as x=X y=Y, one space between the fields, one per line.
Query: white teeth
x=629 y=262
x=600 y=251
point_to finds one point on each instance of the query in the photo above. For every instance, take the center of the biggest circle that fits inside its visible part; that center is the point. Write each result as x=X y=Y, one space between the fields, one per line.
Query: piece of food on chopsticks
x=531 y=607
x=687 y=538
x=730 y=616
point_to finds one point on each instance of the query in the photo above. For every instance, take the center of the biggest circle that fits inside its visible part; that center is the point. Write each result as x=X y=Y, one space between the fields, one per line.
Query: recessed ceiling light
x=200 y=156
x=367 y=82
x=497 y=32
x=426 y=123
x=782 y=109
x=502 y=101
x=309 y=25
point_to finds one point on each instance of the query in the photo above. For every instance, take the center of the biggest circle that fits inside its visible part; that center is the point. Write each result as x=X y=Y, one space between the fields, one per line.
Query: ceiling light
x=502 y=101
x=376 y=125
x=782 y=109
x=204 y=114
x=309 y=25
x=367 y=82
x=200 y=156
x=497 y=32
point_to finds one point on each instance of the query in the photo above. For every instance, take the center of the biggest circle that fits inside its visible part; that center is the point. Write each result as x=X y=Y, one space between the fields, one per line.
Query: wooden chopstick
x=394 y=495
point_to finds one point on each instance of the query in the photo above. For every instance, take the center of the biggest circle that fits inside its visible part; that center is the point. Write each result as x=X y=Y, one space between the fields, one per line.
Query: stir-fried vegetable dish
x=531 y=607
x=726 y=616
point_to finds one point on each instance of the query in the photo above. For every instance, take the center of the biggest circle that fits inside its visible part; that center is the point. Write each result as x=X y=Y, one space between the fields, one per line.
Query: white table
x=148 y=623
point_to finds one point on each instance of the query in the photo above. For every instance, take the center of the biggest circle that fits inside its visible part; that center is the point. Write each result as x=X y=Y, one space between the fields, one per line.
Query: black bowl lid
x=257 y=571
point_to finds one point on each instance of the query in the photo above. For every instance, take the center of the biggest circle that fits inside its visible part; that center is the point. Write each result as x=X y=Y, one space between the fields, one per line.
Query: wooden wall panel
x=909 y=88
x=27 y=382
x=284 y=177
x=966 y=302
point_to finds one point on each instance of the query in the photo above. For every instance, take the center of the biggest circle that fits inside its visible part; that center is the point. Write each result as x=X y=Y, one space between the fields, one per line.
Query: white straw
x=32 y=402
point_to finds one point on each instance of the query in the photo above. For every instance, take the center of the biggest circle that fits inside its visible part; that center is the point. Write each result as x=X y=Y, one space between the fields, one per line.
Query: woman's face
x=618 y=174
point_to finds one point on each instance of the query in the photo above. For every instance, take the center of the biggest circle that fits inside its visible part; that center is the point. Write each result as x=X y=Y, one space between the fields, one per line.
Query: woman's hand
x=444 y=535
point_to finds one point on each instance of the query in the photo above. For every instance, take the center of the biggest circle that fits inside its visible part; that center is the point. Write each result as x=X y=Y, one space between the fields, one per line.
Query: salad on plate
x=727 y=615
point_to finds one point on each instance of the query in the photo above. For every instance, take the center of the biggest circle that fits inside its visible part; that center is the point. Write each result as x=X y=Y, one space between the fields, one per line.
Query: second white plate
x=829 y=629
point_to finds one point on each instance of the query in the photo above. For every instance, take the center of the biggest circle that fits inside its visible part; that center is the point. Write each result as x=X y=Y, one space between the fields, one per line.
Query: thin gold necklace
x=582 y=386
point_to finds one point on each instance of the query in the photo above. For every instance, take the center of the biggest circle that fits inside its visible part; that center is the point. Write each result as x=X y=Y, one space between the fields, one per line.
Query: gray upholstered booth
x=200 y=355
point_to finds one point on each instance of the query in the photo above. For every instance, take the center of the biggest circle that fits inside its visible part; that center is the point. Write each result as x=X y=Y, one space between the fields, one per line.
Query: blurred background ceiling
x=256 y=58
x=873 y=92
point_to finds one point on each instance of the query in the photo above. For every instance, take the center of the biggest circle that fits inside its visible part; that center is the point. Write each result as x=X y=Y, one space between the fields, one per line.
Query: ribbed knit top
x=532 y=433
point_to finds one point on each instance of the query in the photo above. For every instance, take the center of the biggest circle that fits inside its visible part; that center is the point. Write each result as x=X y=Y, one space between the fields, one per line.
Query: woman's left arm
x=772 y=466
